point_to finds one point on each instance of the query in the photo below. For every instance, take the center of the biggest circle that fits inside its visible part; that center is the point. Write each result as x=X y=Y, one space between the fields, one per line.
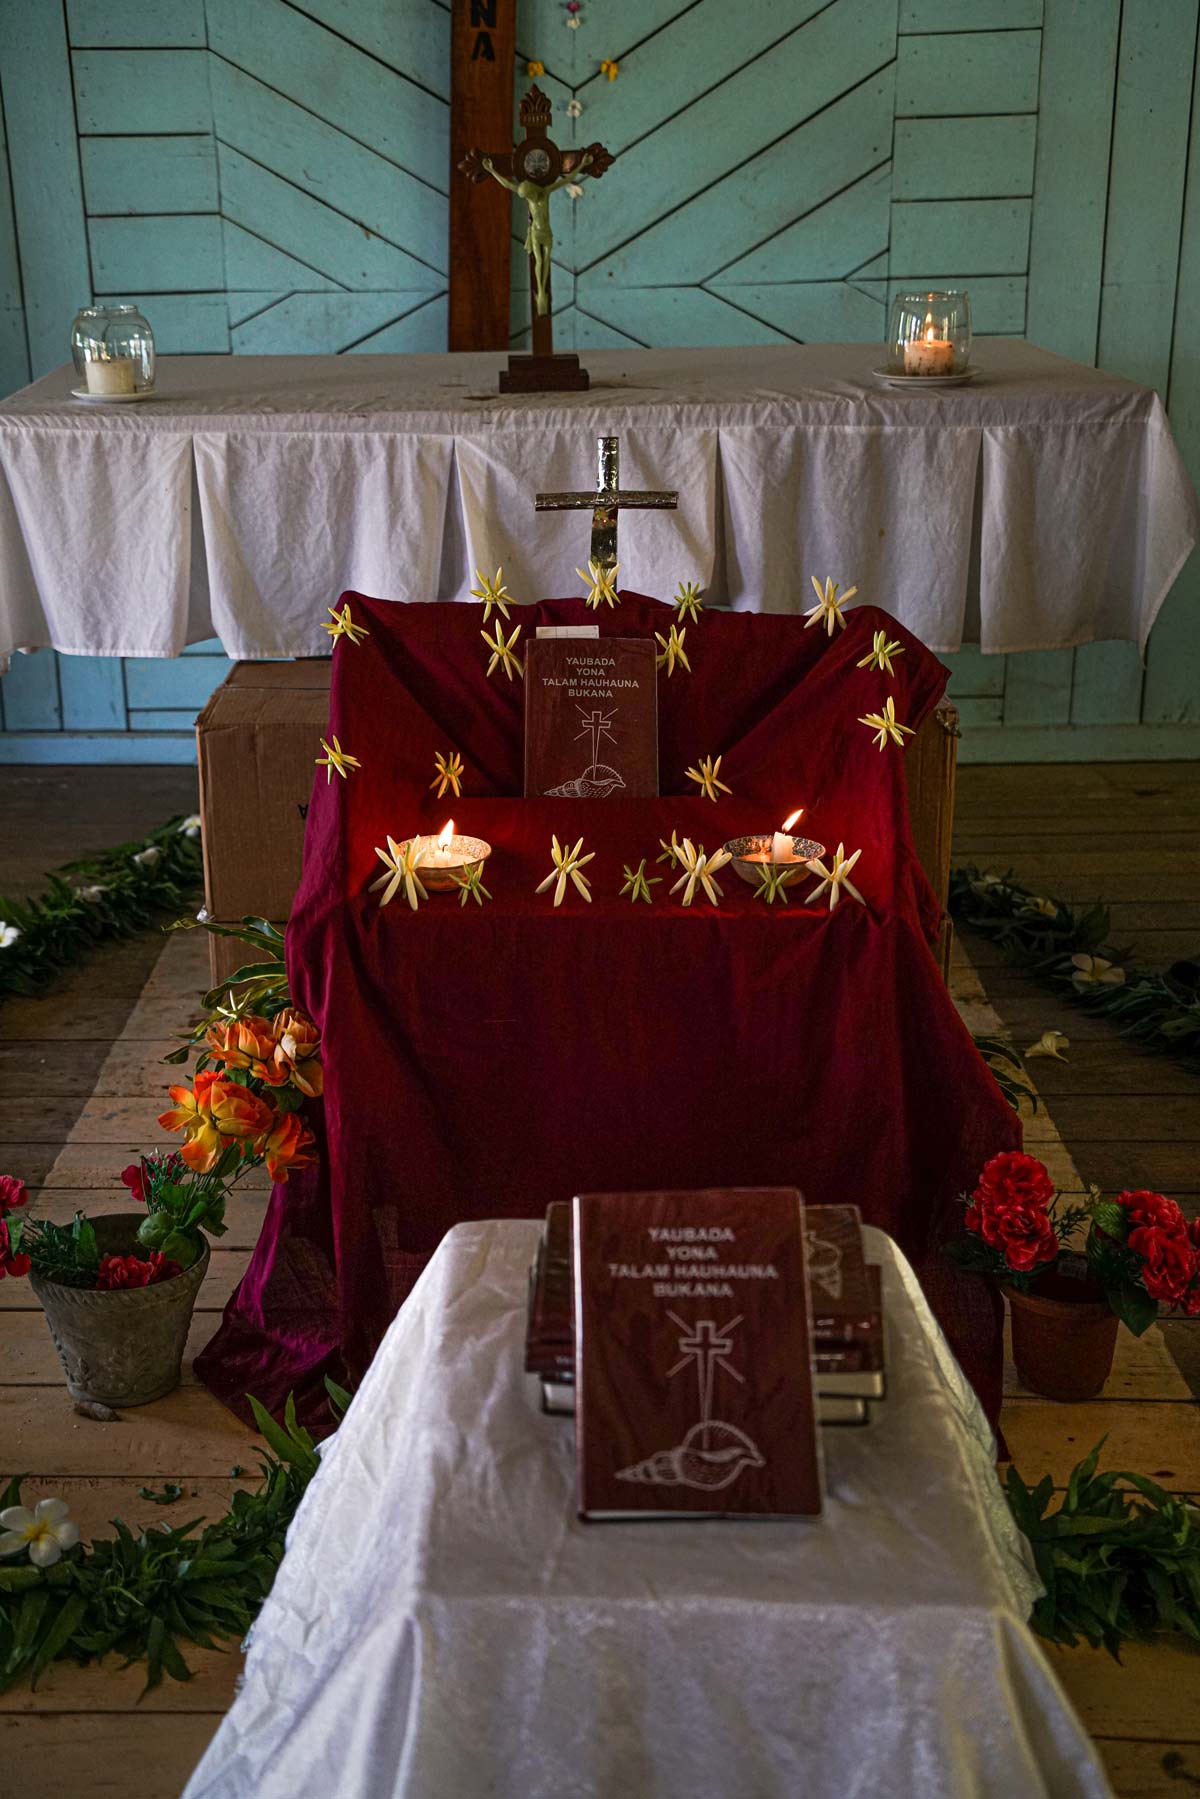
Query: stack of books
x=849 y=1372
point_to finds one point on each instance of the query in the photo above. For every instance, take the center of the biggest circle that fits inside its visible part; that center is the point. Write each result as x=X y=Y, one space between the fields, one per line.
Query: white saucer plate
x=961 y=379
x=81 y=393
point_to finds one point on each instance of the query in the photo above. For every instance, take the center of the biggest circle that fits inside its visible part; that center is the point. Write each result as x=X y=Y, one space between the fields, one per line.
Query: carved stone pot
x=125 y=1347
x=1064 y=1335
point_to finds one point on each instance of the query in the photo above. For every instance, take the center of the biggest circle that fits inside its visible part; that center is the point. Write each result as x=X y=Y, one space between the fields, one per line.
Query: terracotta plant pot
x=1064 y=1334
x=125 y=1347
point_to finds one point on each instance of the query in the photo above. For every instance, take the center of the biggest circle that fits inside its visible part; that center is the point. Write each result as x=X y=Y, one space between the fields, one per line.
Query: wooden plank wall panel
x=259 y=177
x=272 y=175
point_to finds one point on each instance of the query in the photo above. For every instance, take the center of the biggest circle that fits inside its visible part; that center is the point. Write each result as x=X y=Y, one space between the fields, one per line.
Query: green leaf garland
x=96 y=899
x=1044 y=933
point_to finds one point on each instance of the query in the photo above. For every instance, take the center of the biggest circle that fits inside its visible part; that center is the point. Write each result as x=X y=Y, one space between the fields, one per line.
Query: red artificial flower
x=137 y=1176
x=1022 y=1233
x=1169 y=1267
x=13 y=1193
x=134 y=1178
x=131 y=1271
x=1013 y=1176
x=16 y=1265
x=1155 y=1209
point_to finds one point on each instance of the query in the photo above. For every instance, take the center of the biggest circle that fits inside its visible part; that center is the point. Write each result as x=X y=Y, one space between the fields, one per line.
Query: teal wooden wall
x=270 y=175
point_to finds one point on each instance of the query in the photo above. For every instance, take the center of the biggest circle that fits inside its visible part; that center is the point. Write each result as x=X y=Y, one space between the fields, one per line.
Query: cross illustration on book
x=713 y=1453
x=710 y=1348
x=596 y=726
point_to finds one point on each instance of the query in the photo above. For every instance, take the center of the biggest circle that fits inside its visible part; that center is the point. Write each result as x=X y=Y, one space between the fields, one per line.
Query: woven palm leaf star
x=886 y=726
x=881 y=655
x=638 y=883
x=448 y=773
x=343 y=625
x=471 y=883
x=828 y=609
x=688 y=603
x=835 y=877
x=708 y=776
x=503 y=655
x=600 y=583
x=700 y=870
x=400 y=870
x=672 y=650
x=672 y=853
x=773 y=883
x=567 y=865
x=336 y=757
x=492 y=593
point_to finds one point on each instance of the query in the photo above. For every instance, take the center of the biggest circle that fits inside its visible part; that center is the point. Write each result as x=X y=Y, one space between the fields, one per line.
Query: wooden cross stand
x=533 y=170
x=608 y=502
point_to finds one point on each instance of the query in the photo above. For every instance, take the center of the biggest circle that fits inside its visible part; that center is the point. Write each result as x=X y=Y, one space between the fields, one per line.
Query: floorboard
x=82 y=1080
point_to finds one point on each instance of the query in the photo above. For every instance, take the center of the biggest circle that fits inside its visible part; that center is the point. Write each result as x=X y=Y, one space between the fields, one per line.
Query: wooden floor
x=81 y=1080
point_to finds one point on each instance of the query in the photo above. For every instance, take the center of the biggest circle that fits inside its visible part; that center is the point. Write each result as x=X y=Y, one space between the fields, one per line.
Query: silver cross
x=608 y=501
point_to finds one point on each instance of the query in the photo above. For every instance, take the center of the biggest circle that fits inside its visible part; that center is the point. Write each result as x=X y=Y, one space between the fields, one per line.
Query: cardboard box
x=257 y=740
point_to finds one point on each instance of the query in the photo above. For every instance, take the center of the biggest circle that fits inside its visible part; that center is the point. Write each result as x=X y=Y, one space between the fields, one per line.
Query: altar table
x=481 y=1062
x=443 y=1626
x=1046 y=505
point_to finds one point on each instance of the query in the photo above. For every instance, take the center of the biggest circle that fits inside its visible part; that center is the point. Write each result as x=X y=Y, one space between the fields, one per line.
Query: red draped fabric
x=482 y=1061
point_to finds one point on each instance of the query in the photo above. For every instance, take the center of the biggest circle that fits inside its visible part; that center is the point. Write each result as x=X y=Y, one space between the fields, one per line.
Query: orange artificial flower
x=247 y=1042
x=298 y=1052
x=213 y=1113
x=285 y=1145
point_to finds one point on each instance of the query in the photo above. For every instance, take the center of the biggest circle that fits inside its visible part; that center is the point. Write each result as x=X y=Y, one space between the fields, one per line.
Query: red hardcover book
x=591 y=718
x=843 y=1303
x=693 y=1356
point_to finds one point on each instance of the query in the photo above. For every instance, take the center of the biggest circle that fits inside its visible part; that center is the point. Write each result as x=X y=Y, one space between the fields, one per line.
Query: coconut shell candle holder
x=750 y=853
x=442 y=861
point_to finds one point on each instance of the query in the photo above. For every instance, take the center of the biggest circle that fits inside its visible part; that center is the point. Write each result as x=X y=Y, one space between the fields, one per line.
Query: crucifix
x=608 y=502
x=533 y=170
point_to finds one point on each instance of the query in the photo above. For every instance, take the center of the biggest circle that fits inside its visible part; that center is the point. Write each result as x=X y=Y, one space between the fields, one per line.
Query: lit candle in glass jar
x=929 y=354
x=111 y=375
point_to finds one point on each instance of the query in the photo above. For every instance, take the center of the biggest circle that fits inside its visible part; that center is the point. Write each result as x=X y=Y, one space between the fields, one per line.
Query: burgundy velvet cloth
x=480 y=1062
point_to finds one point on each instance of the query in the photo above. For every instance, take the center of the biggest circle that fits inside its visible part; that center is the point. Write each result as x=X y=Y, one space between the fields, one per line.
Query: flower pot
x=1064 y=1334
x=125 y=1347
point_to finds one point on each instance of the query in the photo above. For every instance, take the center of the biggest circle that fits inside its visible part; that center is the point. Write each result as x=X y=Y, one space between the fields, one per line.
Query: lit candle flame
x=445 y=834
x=929 y=331
x=792 y=817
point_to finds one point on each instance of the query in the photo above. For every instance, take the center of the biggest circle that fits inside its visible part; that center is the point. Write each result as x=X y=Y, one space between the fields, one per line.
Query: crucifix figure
x=533 y=170
x=607 y=503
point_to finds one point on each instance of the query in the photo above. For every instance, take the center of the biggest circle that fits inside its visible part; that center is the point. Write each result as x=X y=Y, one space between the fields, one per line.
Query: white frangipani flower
x=93 y=893
x=8 y=934
x=45 y=1531
x=189 y=826
x=574 y=108
x=149 y=856
x=1096 y=971
x=1050 y=1043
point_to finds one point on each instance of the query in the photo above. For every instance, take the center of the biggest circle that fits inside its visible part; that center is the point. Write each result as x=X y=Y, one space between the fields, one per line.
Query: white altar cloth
x=444 y=1627
x=1044 y=506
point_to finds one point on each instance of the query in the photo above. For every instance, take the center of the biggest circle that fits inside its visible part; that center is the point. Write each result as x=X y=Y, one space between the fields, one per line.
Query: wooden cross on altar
x=608 y=502
x=533 y=170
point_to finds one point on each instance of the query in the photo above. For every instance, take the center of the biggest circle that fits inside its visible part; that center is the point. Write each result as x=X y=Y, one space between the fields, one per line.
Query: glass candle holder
x=929 y=334
x=113 y=350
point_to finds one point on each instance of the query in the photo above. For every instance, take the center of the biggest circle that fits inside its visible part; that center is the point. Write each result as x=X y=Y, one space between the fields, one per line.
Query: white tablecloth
x=1045 y=505
x=444 y=1627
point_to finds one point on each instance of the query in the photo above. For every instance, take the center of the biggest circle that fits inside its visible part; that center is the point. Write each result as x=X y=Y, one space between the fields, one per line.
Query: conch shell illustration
x=711 y=1456
x=824 y=1265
